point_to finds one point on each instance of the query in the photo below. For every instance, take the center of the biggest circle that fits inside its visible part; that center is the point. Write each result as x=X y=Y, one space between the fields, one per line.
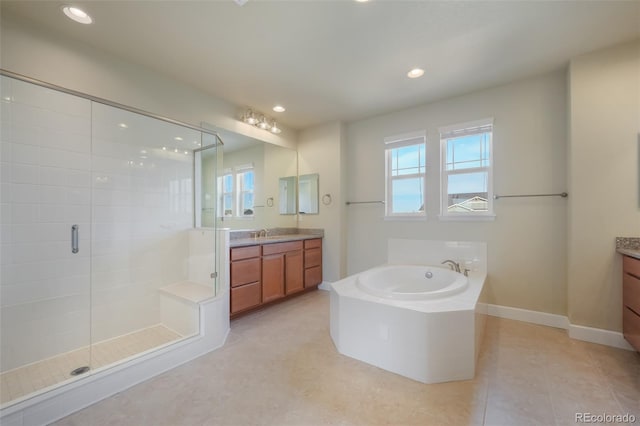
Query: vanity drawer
x=245 y=271
x=631 y=292
x=245 y=297
x=631 y=327
x=312 y=276
x=315 y=243
x=631 y=265
x=268 y=249
x=312 y=257
x=239 y=253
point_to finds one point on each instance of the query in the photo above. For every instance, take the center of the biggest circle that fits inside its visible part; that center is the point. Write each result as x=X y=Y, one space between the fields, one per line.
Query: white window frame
x=456 y=130
x=222 y=194
x=237 y=191
x=400 y=141
x=241 y=190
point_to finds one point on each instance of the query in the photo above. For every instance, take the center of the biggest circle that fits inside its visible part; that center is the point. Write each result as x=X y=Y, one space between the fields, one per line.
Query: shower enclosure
x=97 y=221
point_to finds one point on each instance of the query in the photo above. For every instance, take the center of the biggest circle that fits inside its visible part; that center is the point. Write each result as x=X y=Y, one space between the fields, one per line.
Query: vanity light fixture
x=250 y=118
x=264 y=124
x=77 y=14
x=261 y=121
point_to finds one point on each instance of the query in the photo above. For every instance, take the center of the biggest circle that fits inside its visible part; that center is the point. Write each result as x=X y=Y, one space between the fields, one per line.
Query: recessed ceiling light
x=362 y=1
x=77 y=14
x=279 y=108
x=123 y=125
x=415 y=73
x=178 y=138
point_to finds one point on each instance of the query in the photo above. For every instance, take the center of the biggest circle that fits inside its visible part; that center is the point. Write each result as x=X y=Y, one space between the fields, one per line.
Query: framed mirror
x=287 y=192
x=308 y=194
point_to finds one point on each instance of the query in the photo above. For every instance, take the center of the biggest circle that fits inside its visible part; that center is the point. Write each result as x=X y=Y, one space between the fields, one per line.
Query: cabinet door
x=294 y=271
x=272 y=277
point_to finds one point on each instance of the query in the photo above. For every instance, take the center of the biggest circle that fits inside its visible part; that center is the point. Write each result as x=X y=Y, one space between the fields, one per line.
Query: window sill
x=405 y=218
x=468 y=218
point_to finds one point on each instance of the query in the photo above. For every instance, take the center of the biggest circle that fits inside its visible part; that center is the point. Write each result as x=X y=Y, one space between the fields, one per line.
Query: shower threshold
x=29 y=380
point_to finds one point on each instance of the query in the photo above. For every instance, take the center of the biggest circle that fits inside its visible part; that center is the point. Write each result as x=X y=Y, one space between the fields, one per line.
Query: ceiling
x=342 y=60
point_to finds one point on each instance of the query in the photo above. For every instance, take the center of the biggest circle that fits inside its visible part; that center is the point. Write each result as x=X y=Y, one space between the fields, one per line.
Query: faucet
x=455 y=266
x=264 y=231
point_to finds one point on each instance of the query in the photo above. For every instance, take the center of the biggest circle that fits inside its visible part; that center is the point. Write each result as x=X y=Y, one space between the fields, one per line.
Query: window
x=405 y=172
x=225 y=189
x=245 y=192
x=467 y=178
x=236 y=187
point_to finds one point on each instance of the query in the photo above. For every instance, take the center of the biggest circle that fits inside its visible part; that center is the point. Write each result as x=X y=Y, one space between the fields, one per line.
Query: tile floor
x=22 y=381
x=279 y=367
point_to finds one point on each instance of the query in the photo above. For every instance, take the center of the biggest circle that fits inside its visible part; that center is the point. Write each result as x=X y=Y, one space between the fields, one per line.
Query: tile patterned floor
x=31 y=378
x=279 y=367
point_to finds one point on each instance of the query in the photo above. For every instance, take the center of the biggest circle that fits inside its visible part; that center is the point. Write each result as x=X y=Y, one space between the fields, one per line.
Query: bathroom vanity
x=629 y=248
x=266 y=270
x=631 y=298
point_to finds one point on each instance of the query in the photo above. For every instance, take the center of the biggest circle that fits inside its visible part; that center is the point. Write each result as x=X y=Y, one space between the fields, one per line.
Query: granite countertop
x=629 y=246
x=630 y=252
x=242 y=242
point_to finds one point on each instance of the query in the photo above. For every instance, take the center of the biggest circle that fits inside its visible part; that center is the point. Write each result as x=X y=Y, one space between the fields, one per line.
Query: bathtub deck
x=31 y=378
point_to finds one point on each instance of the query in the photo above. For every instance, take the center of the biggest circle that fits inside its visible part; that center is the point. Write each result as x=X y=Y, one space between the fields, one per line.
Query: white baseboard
x=588 y=334
x=534 y=317
x=600 y=336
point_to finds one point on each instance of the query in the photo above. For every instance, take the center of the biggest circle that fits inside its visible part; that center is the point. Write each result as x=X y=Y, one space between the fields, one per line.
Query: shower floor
x=20 y=382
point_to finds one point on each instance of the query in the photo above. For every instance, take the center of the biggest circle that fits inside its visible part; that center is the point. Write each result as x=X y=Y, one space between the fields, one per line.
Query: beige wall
x=68 y=63
x=603 y=179
x=320 y=150
x=527 y=240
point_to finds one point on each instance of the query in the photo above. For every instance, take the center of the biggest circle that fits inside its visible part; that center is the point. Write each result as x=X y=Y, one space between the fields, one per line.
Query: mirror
x=308 y=194
x=287 y=195
x=248 y=182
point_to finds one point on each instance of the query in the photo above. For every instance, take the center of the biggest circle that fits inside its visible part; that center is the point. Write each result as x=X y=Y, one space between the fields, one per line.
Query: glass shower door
x=45 y=253
x=142 y=212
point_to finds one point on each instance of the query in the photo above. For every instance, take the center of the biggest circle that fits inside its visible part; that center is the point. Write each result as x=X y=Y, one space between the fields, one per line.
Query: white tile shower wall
x=469 y=254
x=142 y=214
x=44 y=288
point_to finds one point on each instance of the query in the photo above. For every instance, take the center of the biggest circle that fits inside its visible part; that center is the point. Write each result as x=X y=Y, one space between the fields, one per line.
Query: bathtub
x=422 y=321
x=411 y=282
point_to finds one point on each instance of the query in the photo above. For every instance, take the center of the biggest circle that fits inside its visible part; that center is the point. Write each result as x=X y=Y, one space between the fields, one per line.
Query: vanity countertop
x=242 y=242
x=630 y=252
x=628 y=246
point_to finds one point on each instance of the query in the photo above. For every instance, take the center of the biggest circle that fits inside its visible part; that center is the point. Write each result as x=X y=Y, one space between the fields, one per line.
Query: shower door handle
x=74 y=239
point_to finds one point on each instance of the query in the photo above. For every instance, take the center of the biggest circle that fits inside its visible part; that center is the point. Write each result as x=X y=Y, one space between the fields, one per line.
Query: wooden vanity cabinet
x=245 y=274
x=312 y=262
x=631 y=300
x=266 y=273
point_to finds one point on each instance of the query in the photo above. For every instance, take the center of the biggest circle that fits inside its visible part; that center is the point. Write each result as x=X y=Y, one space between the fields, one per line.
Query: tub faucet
x=455 y=266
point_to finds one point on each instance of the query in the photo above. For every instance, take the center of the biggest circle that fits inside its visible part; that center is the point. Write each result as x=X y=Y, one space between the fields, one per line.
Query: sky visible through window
x=408 y=191
x=468 y=152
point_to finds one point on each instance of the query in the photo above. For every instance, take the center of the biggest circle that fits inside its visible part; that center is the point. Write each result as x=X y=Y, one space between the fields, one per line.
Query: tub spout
x=455 y=266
